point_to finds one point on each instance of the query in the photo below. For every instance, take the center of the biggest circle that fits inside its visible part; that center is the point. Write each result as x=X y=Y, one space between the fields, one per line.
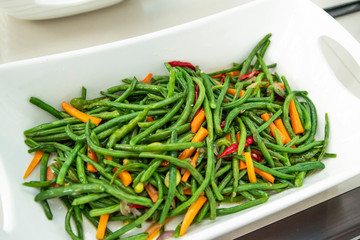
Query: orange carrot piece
x=199 y=136
x=232 y=91
x=272 y=126
x=242 y=165
x=92 y=155
x=238 y=136
x=193 y=163
x=228 y=137
x=147 y=78
x=125 y=177
x=79 y=115
x=295 y=119
x=153 y=193
x=198 y=120
x=263 y=174
x=279 y=84
x=34 y=162
x=100 y=233
x=50 y=175
x=154 y=229
x=191 y=213
x=187 y=191
x=280 y=125
x=149 y=119
x=231 y=74
x=250 y=167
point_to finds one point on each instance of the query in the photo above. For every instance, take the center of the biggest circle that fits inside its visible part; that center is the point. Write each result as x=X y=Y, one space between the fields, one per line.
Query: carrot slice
x=232 y=91
x=238 y=136
x=199 y=136
x=191 y=213
x=193 y=163
x=272 y=126
x=79 y=115
x=154 y=229
x=295 y=119
x=125 y=177
x=263 y=174
x=280 y=125
x=153 y=193
x=147 y=78
x=187 y=191
x=149 y=119
x=250 y=167
x=100 y=234
x=34 y=162
x=92 y=155
x=198 y=120
x=231 y=74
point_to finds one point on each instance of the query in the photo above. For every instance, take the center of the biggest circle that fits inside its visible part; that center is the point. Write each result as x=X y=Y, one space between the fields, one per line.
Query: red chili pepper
x=249 y=74
x=182 y=64
x=196 y=93
x=222 y=125
x=137 y=206
x=256 y=156
x=223 y=78
x=234 y=147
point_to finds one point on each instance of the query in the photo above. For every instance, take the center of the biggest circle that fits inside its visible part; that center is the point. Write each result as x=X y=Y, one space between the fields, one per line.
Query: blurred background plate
x=47 y=9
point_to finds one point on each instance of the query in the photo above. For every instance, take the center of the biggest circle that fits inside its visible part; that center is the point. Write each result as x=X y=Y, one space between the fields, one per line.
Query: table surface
x=23 y=39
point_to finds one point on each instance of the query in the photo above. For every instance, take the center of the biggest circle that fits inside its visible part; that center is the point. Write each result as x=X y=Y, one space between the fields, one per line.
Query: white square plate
x=212 y=43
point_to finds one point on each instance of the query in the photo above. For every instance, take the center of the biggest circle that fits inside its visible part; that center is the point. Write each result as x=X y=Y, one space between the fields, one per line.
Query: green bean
x=240 y=207
x=157 y=125
x=68 y=225
x=39 y=184
x=125 y=129
x=189 y=102
x=127 y=91
x=71 y=189
x=141 y=87
x=238 y=102
x=46 y=107
x=271 y=120
x=140 y=236
x=166 y=133
x=118 y=193
x=236 y=67
x=209 y=119
x=137 y=221
x=262 y=53
x=326 y=138
x=88 y=198
x=304 y=166
x=70 y=158
x=107 y=210
x=217 y=110
x=129 y=106
x=252 y=54
x=72 y=135
x=246 y=106
x=159 y=148
x=209 y=92
x=71 y=120
x=299 y=149
x=259 y=141
x=299 y=178
x=171 y=84
x=201 y=96
x=250 y=186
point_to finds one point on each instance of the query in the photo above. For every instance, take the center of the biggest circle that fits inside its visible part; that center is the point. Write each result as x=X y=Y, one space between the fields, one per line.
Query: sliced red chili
x=249 y=74
x=182 y=64
x=137 y=206
x=234 y=147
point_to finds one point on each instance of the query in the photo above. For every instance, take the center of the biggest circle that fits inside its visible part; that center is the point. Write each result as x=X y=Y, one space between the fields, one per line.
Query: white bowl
x=48 y=9
x=212 y=43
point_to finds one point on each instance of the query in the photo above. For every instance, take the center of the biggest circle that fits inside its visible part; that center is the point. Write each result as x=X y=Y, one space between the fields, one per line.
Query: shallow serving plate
x=212 y=43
